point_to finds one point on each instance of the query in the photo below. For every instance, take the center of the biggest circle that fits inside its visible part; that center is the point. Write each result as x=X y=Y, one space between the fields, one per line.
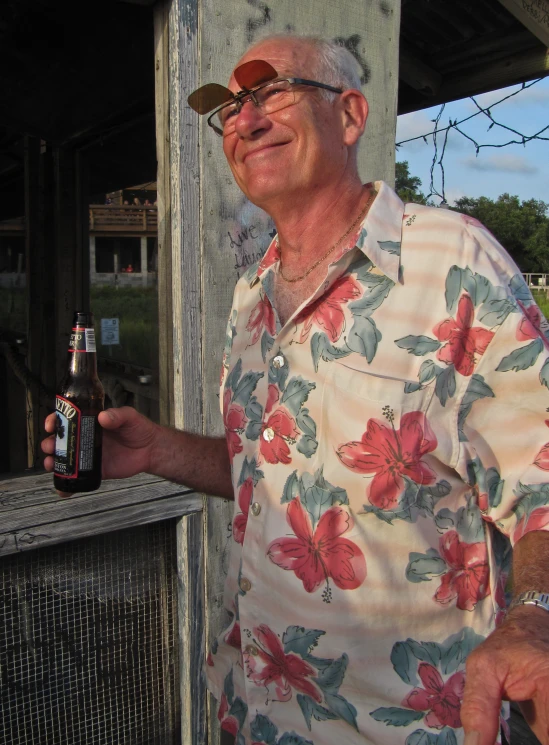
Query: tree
x=521 y=227
x=406 y=185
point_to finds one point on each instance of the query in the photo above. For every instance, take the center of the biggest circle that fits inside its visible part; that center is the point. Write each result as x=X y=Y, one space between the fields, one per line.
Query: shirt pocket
x=375 y=439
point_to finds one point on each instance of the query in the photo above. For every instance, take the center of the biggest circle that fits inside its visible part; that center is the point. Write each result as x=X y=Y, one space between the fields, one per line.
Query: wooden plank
x=162 y=109
x=190 y=571
x=534 y=14
x=43 y=534
x=417 y=74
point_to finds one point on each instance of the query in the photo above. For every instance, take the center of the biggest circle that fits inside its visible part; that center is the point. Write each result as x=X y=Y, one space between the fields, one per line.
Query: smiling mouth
x=263 y=149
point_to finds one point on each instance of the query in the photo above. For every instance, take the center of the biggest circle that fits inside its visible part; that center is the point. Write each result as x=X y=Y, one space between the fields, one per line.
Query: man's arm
x=133 y=444
x=513 y=663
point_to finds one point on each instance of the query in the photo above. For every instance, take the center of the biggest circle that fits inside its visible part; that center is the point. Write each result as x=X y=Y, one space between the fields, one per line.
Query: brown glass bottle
x=77 y=459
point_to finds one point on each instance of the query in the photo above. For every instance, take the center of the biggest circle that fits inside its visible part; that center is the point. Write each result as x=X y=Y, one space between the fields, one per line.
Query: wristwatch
x=540 y=599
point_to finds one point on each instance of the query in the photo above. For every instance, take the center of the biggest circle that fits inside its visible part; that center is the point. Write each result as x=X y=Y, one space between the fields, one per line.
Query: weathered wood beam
x=164 y=215
x=417 y=74
x=534 y=14
x=516 y=68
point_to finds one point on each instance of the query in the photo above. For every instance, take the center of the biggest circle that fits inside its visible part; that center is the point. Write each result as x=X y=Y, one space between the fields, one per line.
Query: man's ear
x=354 y=110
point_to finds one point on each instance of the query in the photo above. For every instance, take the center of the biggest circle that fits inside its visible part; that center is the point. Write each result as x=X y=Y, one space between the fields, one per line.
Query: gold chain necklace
x=333 y=248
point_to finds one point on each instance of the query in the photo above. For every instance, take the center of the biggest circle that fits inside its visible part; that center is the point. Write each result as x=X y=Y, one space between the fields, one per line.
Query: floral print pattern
x=378 y=483
x=391 y=455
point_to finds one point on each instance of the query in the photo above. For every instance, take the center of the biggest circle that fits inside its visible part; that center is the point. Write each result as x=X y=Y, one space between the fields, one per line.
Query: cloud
x=503 y=162
x=413 y=125
x=529 y=96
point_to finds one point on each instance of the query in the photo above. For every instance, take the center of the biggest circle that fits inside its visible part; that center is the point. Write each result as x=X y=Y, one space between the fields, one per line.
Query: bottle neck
x=82 y=364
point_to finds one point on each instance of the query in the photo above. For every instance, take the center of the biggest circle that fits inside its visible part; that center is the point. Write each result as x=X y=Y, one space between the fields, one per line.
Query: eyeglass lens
x=269 y=98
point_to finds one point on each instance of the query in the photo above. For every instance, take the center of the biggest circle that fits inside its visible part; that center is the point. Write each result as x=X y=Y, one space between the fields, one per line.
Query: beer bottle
x=77 y=460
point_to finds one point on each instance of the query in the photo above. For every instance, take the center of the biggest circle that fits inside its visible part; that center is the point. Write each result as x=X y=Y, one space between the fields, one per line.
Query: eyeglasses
x=268 y=97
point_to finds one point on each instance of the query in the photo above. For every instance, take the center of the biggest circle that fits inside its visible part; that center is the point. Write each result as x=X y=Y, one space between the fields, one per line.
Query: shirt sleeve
x=503 y=418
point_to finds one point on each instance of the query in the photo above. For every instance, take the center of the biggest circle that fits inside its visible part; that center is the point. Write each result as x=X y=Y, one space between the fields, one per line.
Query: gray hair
x=332 y=63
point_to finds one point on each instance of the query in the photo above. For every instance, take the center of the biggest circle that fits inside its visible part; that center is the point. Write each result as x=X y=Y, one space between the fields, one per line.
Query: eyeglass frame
x=239 y=98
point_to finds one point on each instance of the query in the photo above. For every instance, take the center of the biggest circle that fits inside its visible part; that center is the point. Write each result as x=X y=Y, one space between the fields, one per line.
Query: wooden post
x=215 y=232
x=40 y=293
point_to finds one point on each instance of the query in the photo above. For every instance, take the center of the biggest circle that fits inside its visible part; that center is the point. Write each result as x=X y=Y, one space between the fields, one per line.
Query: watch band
x=540 y=599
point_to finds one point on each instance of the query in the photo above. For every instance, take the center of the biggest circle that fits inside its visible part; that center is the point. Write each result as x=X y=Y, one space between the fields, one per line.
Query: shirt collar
x=379 y=239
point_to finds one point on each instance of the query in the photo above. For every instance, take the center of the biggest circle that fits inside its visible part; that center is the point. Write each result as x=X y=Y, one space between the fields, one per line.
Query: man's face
x=291 y=152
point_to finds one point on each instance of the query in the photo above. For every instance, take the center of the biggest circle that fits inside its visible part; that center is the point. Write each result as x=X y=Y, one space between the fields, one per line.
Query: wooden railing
x=127 y=218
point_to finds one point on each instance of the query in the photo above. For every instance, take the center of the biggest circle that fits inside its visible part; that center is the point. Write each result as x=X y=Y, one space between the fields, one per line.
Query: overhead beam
x=417 y=74
x=534 y=14
x=516 y=68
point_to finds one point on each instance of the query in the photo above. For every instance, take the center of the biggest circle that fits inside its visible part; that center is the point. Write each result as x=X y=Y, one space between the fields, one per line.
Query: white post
x=144 y=268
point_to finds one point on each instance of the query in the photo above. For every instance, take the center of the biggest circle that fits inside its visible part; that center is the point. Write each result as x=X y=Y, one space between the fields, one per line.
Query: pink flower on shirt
x=228 y=722
x=442 y=700
x=530 y=324
x=465 y=342
x=391 y=454
x=234 y=418
x=536 y=520
x=316 y=556
x=277 y=671
x=275 y=433
x=542 y=458
x=241 y=520
x=467 y=578
x=327 y=311
x=261 y=317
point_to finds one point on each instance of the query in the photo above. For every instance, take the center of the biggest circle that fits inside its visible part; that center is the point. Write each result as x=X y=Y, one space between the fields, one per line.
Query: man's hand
x=511 y=664
x=128 y=439
x=133 y=444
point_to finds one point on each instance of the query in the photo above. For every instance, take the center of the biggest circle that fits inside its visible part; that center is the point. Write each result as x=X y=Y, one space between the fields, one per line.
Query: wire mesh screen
x=88 y=641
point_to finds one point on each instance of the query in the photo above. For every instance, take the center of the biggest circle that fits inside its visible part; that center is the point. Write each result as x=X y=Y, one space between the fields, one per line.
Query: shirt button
x=250 y=649
x=268 y=434
x=279 y=361
x=245 y=584
x=256 y=509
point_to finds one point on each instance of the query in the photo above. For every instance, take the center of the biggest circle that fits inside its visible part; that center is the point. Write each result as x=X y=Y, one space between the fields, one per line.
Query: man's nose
x=251 y=120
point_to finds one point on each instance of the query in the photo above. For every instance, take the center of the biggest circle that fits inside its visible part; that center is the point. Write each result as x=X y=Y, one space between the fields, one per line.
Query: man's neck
x=306 y=228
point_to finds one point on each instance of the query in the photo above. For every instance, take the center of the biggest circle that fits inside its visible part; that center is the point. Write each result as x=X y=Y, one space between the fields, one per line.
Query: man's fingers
x=49 y=423
x=114 y=418
x=481 y=705
x=48 y=446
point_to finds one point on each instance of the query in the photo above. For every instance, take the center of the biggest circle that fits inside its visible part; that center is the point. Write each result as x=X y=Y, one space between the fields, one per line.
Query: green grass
x=137 y=309
x=543 y=301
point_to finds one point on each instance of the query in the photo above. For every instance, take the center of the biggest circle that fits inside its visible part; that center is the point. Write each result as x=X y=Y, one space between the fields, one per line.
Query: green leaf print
x=263 y=730
x=521 y=359
x=312 y=710
x=296 y=393
x=300 y=640
x=307 y=446
x=392 y=247
x=373 y=298
x=427 y=371
x=332 y=675
x=267 y=342
x=496 y=308
x=342 y=708
x=544 y=374
x=421 y=737
x=404 y=663
x=395 y=716
x=239 y=710
x=453 y=289
x=445 y=387
x=520 y=290
x=290 y=738
x=246 y=387
x=291 y=488
x=364 y=338
x=423 y=567
x=323 y=349
x=418 y=345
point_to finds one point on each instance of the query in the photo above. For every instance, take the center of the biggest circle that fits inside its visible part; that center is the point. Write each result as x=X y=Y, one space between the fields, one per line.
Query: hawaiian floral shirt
x=389 y=444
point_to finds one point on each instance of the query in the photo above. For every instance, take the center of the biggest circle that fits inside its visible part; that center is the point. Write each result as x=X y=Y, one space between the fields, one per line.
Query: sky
x=516 y=169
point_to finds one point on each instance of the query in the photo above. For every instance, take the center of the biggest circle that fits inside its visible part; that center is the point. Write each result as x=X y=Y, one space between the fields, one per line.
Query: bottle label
x=82 y=340
x=74 y=440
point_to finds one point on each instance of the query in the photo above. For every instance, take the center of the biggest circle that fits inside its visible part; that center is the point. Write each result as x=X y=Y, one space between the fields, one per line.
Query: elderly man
x=384 y=394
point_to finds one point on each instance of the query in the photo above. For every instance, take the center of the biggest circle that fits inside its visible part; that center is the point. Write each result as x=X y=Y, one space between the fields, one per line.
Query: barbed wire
x=455 y=125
